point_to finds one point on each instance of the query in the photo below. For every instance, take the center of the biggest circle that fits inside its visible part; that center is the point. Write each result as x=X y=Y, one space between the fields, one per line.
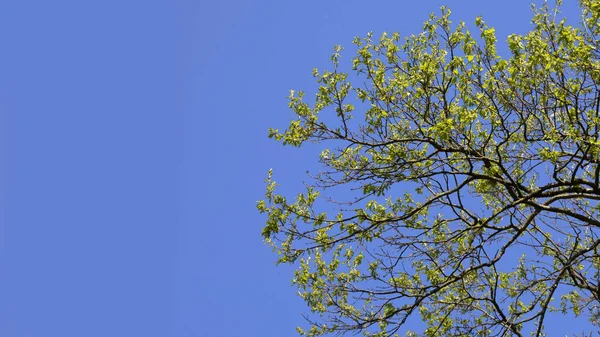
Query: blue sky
x=134 y=147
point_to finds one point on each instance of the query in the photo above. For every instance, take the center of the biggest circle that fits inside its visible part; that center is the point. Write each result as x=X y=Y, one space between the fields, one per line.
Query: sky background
x=134 y=146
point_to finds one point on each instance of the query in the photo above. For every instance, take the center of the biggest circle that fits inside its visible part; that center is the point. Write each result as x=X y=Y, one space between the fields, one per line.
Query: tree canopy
x=459 y=188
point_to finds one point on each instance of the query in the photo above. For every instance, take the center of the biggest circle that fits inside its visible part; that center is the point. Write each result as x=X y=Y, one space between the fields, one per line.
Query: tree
x=459 y=187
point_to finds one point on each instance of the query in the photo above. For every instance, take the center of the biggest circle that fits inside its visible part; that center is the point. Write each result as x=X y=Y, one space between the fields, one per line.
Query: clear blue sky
x=134 y=147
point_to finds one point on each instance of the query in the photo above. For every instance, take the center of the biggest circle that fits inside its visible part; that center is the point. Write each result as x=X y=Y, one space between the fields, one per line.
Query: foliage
x=470 y=182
